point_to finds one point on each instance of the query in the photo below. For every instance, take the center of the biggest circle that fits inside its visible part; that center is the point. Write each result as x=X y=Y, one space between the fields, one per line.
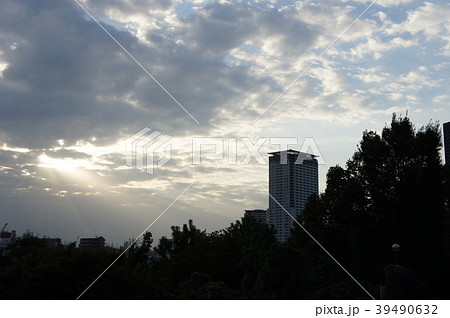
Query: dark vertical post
x=447 y=143
x=396 y=249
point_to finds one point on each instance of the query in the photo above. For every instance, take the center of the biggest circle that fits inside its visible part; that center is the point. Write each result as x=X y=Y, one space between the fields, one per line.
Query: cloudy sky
x=70 y=97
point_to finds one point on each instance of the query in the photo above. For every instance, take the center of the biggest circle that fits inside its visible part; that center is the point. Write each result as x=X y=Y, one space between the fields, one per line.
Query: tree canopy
x=391 y=191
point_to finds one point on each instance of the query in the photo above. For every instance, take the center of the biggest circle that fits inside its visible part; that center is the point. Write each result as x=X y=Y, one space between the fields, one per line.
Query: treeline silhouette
x=394 y=189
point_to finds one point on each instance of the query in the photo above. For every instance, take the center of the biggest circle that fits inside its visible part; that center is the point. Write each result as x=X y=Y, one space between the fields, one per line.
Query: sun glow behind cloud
x=67 y=164
x=14 y=149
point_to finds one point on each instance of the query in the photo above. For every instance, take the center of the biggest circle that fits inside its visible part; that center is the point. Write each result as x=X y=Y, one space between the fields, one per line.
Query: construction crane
x=3 y=228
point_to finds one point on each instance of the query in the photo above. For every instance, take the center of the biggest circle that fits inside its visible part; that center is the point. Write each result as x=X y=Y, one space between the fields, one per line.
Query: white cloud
x=372 y=75
x=384 y=3
x=430 y=19
x=377 y=47
x=440 y=99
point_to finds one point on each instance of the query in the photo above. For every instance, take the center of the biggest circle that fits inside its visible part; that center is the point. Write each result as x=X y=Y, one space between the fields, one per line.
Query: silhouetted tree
x=392 y=191
x=139 y=253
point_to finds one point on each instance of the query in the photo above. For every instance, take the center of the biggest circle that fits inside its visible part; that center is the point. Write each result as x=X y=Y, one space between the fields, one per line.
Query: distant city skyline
x=71 y=97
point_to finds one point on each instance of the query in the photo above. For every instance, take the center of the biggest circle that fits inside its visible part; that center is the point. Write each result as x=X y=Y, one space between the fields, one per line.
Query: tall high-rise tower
x=447 y=143
x=293 y=178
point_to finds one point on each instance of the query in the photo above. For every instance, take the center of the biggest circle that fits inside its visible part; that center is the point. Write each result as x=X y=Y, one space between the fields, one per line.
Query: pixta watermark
x=142 y=146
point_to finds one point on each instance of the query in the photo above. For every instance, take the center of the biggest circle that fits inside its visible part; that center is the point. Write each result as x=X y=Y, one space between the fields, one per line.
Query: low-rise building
x=92 y=242
x=6 y=238
x=259 y=215
x=52 y=242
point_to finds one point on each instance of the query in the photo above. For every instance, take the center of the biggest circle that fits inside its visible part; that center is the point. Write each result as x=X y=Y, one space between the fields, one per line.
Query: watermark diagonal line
x=135 y=240
x=135 y=60
x=314 y=239
x=309 y=66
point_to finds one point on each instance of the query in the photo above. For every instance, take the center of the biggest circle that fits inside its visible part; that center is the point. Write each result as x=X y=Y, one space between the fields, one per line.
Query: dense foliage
x=393 y=190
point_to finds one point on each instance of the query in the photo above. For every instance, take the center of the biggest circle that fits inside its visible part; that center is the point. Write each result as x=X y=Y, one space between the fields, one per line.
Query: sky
x=79 y=78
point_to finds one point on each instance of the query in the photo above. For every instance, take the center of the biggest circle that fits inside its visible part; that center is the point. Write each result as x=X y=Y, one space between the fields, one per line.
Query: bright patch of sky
x=184 y=9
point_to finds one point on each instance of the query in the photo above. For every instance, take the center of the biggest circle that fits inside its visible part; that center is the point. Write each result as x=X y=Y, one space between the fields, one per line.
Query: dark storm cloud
x=221 y=27
x=13 y=159
x=67 y=153
x=66 y=79
x=293 y=35
x=58 y=66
